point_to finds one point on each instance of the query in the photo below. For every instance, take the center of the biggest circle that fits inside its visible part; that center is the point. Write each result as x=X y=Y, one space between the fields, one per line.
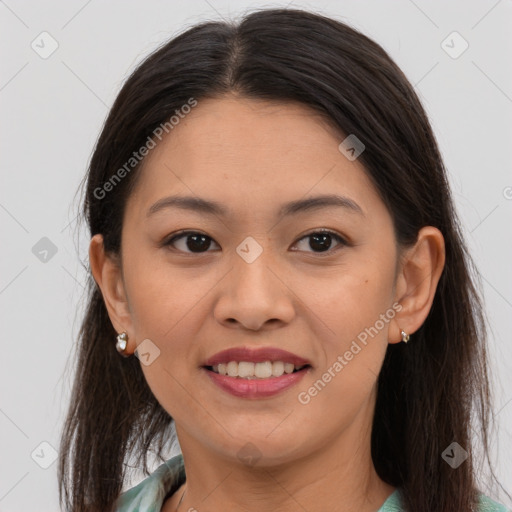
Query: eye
x=196 y=243
x=192 y=240
x=321 y=240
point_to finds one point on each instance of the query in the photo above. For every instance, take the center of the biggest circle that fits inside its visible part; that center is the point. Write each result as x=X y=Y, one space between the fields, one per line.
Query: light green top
x=150 y=494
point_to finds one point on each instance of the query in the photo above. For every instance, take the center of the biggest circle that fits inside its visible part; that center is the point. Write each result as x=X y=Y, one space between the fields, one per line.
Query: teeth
x=233 y=369
x=278 y=368
x=248 y=370
x=262 y=370
x=288 y=367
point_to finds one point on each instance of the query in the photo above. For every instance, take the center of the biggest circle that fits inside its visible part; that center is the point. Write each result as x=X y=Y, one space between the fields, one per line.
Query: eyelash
x=183 y=234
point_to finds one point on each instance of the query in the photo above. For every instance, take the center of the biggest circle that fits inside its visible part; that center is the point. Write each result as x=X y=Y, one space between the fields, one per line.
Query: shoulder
x=485 y=504
x=149 y=495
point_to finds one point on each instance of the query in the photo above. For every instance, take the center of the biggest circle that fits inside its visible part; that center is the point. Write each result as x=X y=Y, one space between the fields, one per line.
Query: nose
x=254 y=296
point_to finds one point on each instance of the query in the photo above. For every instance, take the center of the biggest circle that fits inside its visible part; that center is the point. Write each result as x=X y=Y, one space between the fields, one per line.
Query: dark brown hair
x=430 y=391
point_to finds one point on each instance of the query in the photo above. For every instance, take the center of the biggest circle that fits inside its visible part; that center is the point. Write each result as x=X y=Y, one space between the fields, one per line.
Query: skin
x=253 y=156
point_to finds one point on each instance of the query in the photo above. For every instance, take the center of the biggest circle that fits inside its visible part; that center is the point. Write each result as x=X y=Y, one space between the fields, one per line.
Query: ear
x=418 y=275
x=107 y=272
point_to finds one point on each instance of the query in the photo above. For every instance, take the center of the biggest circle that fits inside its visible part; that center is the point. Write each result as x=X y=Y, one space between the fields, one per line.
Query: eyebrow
x=208 y=207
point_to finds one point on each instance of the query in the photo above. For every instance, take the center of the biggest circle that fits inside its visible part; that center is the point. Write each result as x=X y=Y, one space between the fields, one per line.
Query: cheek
x=352 y=348
x=356 y=306
x=163 y=298
x=170 y=307
x=350 y=300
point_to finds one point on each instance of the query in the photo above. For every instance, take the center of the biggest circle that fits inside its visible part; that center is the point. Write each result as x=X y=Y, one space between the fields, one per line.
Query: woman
x=274 y=239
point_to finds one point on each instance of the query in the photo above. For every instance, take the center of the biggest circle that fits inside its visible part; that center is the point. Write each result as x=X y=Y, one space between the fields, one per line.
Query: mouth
x=256 y=370
x=256 y=373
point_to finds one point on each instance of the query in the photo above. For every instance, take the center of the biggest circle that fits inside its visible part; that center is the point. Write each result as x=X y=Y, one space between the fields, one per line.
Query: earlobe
x=417 y=280
x=107 y=273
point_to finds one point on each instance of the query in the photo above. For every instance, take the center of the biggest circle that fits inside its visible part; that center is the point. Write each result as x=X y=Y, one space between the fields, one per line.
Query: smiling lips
x=255 y=372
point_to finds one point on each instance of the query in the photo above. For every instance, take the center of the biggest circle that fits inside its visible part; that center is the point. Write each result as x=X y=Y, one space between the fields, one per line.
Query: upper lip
x=256 y=355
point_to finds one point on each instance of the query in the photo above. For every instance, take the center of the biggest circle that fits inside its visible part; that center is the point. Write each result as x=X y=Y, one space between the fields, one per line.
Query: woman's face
x=260 y=277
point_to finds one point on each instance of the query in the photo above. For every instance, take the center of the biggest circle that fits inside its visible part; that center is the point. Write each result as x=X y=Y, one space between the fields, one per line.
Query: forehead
x=251 y=153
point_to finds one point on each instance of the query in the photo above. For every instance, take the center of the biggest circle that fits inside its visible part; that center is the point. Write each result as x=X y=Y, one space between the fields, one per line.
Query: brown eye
x=190 y=241
x=321 y=241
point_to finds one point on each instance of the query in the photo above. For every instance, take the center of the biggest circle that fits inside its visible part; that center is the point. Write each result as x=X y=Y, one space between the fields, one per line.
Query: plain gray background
x=52 y=110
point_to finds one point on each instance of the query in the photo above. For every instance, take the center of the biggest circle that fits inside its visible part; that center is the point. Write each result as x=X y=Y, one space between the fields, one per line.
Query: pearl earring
x=122 y=341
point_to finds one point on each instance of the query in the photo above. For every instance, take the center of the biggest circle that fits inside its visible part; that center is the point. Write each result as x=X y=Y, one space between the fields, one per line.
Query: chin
x=260 y=451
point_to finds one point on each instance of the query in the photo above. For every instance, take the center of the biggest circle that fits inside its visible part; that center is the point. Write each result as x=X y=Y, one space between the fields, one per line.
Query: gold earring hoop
x=121 y=344
x=405 y=337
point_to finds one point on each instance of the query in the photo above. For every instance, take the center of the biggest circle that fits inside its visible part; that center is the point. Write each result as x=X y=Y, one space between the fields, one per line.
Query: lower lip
x=256 y=388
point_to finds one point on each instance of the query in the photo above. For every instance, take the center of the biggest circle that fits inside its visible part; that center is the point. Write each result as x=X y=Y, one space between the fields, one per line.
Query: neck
x=337 y=476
